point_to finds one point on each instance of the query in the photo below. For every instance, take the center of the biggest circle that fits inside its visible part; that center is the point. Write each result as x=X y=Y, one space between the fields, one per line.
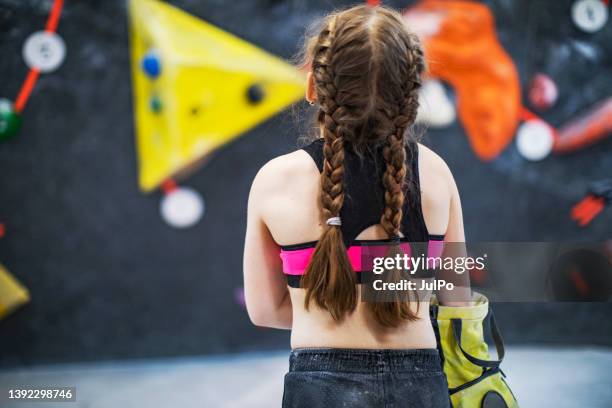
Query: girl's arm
x=443 y=215
x=455 y=247
x=265 y=288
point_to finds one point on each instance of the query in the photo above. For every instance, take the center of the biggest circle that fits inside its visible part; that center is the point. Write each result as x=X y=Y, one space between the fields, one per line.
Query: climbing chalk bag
x=474 y=379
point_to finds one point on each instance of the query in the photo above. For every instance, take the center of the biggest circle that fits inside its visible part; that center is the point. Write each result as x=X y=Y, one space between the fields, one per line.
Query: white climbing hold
x=534 y=140
x=182 y=207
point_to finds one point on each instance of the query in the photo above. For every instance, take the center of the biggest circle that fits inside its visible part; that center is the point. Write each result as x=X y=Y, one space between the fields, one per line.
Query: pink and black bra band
x=295 y=258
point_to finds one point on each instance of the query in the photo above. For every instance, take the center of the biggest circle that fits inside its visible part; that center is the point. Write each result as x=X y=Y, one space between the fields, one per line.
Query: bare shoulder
x=285 y=171
x=433 y=167
x=284 y=196
x=283 y=181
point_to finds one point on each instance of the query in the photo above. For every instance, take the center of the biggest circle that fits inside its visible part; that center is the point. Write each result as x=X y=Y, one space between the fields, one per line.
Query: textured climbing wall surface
x=109 y=279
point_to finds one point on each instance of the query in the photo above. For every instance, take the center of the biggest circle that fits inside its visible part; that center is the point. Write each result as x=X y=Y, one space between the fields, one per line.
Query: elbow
x=259 y=314
x=269 y=317
x=269 y=314
x=254 y=308
x=258 y=317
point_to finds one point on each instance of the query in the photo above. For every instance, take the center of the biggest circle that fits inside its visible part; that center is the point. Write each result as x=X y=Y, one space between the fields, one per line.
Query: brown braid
x=329 y=275
x=391 y=314
x=366 y=67
x=394 y=151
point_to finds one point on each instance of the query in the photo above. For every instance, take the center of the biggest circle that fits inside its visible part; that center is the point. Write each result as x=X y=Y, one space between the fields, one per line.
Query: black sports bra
x=363 y=206
x=364 y=192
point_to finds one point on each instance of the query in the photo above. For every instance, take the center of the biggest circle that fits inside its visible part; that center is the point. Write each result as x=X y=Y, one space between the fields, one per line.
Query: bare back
x=284 y=210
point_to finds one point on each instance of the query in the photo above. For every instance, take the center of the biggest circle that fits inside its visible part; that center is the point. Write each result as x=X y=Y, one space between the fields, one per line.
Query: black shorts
x=321 y=377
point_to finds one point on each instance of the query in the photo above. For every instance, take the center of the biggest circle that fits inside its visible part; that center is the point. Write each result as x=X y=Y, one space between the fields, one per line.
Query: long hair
x=366 y=67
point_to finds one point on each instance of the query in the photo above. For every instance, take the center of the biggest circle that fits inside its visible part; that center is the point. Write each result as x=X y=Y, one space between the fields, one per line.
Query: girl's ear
x=311 y=92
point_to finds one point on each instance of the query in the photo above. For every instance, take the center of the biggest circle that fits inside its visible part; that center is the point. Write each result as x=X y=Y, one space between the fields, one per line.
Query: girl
x=311 y=211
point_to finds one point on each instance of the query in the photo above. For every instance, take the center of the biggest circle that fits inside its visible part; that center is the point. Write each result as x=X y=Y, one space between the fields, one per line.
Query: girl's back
x=313 y=213
x=286 y=195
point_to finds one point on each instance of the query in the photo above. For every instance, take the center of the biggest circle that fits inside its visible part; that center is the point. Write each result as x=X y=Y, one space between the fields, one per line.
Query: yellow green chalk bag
x=474 y=379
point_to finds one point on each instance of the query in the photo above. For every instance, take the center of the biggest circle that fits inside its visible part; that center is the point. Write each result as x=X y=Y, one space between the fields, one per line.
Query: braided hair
x=366 y=67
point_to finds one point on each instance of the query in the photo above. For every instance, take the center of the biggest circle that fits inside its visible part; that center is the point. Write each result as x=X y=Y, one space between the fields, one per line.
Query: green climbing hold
x=10 y=121
x=156 y=104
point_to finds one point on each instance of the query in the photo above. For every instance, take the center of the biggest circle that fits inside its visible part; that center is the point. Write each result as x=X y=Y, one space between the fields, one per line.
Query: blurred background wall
x=110 y=279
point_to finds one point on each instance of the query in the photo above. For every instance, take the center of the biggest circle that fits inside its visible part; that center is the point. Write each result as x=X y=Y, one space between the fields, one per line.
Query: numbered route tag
x=44 y=51
x=590 y=15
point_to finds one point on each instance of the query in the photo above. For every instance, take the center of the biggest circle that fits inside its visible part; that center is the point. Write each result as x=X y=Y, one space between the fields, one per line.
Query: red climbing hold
x=543 y=92
x=587 y=209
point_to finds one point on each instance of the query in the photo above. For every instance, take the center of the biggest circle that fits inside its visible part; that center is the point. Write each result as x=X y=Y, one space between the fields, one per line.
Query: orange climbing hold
x=462 y=49
x=587 y=129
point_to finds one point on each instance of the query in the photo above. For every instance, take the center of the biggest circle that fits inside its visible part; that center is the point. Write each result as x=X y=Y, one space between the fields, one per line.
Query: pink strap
x=435 y=248
x=296 y=261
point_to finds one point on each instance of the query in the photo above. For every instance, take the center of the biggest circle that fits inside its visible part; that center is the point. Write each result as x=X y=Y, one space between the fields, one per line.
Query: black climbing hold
x=255 y=94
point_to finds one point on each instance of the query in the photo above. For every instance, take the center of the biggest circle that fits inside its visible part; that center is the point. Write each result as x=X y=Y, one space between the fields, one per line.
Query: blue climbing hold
x=151 y=64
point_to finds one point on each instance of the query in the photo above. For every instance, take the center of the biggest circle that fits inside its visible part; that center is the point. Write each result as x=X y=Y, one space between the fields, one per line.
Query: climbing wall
x=108 y=278
x=196 y=87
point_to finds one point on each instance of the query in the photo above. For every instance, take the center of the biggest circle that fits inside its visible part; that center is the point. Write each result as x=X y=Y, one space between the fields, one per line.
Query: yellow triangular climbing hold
x=12 y=293
x=197 y=87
